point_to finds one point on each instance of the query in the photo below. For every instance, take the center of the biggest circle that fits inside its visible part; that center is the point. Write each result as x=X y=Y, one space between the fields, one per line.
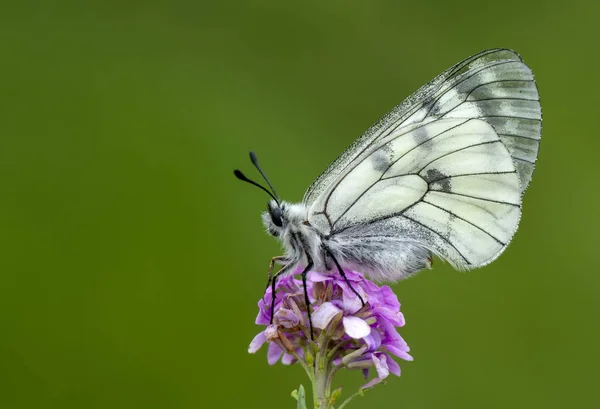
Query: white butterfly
x=442 y=174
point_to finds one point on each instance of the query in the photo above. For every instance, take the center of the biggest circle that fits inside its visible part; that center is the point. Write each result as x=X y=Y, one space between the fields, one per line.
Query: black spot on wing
x=435 y=109
x=438 y=181
x=382 y=158
x=426 y=103
x=431 y=106
x=380 y=161
x=421 y=136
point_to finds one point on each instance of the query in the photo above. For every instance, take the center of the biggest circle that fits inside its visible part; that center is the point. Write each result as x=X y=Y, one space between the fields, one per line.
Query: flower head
x=346 y=332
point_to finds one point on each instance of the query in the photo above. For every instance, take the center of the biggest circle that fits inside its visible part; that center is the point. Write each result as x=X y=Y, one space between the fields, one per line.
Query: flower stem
x=330 y=378
x=321 y=391
x=348 y=399
x=321 y=371
x=361 y=392
x=304 y=365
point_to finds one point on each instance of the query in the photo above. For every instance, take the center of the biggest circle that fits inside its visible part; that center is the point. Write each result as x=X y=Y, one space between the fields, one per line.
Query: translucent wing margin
x=494 y=86
x=447 y=184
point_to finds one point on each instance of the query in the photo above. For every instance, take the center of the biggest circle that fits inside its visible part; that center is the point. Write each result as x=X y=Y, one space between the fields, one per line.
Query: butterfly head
x=274 y=218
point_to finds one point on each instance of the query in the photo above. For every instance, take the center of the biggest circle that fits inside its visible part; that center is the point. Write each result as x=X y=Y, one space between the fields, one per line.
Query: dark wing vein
x=493 y=82
x=470 y=174
x=483 y=198
x=457 y=150
x=464 y=220
x=508 y=135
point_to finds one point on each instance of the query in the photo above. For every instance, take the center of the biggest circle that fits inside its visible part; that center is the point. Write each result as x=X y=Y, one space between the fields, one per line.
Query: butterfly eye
x=276 y=216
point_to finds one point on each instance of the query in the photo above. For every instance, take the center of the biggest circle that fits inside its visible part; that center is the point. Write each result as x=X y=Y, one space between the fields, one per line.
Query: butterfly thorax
x=301 y=241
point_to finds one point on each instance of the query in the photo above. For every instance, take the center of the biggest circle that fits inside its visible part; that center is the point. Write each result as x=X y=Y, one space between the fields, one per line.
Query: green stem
x=321 y=371
x=360 y=391
x=330 y=378
x=304 y=365
x=349 y=398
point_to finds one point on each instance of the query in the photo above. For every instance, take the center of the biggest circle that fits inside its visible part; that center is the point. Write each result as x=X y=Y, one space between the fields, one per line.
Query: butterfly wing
x=445 y=169
x=493 y=85
x=447 y=184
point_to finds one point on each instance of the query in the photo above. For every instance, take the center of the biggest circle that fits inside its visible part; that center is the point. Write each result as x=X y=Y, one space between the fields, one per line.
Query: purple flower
x=346 y=332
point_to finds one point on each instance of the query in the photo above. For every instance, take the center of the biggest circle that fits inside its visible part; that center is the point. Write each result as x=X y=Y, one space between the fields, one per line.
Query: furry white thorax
x=297 y=236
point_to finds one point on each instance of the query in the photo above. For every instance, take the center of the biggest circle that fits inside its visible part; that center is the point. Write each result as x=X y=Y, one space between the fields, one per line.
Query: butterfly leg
x=341 y=271
x=306 y=300
x=274 y=260
x=273 y=280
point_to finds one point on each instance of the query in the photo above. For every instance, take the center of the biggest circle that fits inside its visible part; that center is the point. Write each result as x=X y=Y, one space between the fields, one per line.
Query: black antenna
x=238 y=174
x=255 y=162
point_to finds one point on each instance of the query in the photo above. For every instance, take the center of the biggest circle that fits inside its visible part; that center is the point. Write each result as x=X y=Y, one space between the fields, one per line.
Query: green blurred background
x=131 y=259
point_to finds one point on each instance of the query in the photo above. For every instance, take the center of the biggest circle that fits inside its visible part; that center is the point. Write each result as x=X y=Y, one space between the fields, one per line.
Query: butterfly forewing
x=494 y=85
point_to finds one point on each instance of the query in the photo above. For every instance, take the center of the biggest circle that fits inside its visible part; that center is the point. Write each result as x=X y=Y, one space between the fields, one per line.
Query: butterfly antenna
x=238 y=174
x=255 y=163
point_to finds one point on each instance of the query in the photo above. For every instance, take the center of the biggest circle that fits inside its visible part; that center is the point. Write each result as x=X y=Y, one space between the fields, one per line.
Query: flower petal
x=400 y=353
x=271 y=333
x=381 y=366
x=288 y=359
x=257 y=342
x=351 y=302
x=373 y=340
x=286 y=318
x=263 y=316
x=393 y=316
x=356 y=327
x=389 y=331
x=274 y=353
x=389 y=298
x=318 y=278
x=393 y=366
x=324 y=314
x=401 y=318
x=371 y=383
x=354 y=276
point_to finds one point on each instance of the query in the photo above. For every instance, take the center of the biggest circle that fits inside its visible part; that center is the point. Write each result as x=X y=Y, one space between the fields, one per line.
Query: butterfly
x=442 y=174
